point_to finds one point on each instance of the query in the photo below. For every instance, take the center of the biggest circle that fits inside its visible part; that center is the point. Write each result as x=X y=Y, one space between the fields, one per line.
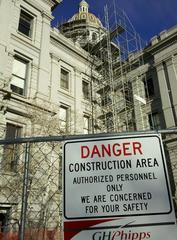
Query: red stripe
x=71 y=228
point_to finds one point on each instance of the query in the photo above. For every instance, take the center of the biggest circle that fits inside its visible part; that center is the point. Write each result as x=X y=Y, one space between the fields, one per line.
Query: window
x=106 y=100
x=154 y=121
x=149 y=88
x=64 y=79
x=63 y=116
x=86 y=124
x=86 y=90
x=4 y=219
x=94 y=36
x=11 y=151
x=25 y=23
x=19 y=71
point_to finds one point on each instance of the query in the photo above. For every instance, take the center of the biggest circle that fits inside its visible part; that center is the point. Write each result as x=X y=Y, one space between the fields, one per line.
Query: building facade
x=41 y=68
x=74 y=79
x=45 y=90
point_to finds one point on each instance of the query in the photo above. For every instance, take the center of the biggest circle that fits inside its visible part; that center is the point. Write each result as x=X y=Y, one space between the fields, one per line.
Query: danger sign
x=118 y=177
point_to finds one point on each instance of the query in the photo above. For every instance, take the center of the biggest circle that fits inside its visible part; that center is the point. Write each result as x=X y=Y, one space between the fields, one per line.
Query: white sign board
x=124 y=177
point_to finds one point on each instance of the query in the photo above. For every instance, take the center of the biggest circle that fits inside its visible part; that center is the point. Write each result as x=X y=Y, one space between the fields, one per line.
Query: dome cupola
x=84 y=14
x=83 y=27
x=83 y=6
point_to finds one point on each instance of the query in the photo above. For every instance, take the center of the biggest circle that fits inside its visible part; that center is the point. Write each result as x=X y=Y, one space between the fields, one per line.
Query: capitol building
x=79 y=77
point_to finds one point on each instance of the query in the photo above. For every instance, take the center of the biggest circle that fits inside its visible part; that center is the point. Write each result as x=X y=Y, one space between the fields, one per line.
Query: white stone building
x=41 y=68
x=44 y=90
x=47 y=78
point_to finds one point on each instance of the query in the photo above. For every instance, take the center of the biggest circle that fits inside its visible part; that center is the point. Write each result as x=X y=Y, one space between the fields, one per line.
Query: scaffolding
x=115 y=57
x=117 y=96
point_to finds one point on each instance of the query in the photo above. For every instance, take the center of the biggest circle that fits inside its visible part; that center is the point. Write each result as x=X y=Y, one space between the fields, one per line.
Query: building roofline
x=160 y=41
x=56 y=2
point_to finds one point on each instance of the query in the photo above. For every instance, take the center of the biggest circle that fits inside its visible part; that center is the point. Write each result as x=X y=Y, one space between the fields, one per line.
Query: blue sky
x=149 y=17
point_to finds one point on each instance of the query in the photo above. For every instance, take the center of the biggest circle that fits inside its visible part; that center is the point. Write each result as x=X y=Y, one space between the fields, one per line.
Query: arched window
x=94 y=36
x=83 y=16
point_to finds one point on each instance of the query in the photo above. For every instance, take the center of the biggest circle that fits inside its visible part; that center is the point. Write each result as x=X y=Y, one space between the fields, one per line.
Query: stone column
x=172 y=75
x=44 y=59
x=139 y=104
x=78 y=111
x=54 y=80
x=165 y=98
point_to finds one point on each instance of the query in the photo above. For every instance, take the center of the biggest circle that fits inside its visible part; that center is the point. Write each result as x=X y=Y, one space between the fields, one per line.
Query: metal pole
x=62 y=138
x=24 y=193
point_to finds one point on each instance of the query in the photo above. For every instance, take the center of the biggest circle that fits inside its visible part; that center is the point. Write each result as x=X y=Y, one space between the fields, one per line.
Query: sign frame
x=118 y=138
x=154 y=225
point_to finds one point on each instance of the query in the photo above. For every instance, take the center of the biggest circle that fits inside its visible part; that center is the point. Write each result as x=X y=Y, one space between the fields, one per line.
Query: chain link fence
x=170 y=147
x=30 y=190
x=31 y=185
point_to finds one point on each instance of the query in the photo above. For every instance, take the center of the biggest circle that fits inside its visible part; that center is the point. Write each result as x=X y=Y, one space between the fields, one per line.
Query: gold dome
x=83 y=13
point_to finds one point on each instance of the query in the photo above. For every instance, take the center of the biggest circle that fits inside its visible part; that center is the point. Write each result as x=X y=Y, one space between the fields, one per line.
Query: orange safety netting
x=34 y=234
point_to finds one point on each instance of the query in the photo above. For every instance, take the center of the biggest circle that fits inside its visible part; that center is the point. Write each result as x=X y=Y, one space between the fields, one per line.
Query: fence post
x=24 y=193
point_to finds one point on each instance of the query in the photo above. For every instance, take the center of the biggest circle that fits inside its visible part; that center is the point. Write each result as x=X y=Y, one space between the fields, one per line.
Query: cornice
x=162 y=44
x=36 y=4
x=54 y=57
x=59 y=39
x=69 y=47
x=56 y=2
x=52 y=3
x=47 y=16
x=167 y=58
